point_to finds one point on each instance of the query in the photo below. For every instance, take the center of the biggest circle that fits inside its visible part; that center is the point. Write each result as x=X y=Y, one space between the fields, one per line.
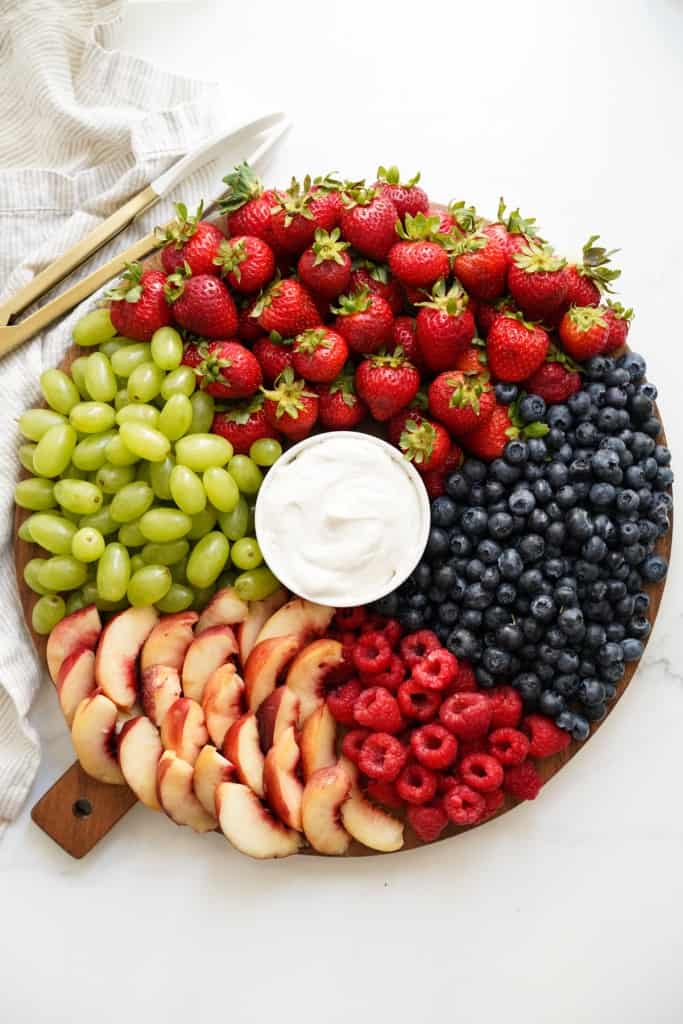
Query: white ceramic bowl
x=273 y=550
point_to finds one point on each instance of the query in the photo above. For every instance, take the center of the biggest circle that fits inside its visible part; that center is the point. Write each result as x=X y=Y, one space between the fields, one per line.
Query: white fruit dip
x=342 y=518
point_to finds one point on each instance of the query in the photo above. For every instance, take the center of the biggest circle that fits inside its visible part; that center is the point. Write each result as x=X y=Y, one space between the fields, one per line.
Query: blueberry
x=555 y=438
x=565 y=720
x=579 y=524
x=418 y=601
x=460 y=545
x=387 y=605
x=504 y=472
x=474 y=569
x=537 y=449
x=632 y=648
x=615 y=395
x=506 y=594
x=590 y=691
x=551 y=703
x=510 y=564
x=641 y=603
x=663 y=478
x=442 y=631
x=496 y=661
x=545 y=673
x=478 y=597
x=501 y=525
x=566 y=496
x=559 y=416
x=652 y=427
x=488 y=551
x=543 y=608
x=641 y=406
x=412 y=620
x=477 y=494
x=570 y=621
x=463 y=644
x=493 y=491
x=528 y=685
x=510 y=637
x=634 y=364
x=475 y=470
x=654 y=569
x=458 y=588
x=437 y=594
x=566 y=683
x=532 y=629
x=596 y=392
x=444 y=511
x=594 y=712
x=496 y=616
x=506 y=393
x=662 y=455
x=445 y=576
x=521 y=502
x=557 y=474
x=581 y=728
x=531 y=408
x=613 y=672
x=594 y=550
x=516 y=452
x=490 y=577
x=448 y=613
x=437 y=544
x=471 y=618
x=474 y=521
x=565 y=597
x=555 y=534
x=457 y=486
x=634 y=477
x=602 y=494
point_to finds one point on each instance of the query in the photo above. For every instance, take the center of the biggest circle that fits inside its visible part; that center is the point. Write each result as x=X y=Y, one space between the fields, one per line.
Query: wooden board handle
x=78 y=811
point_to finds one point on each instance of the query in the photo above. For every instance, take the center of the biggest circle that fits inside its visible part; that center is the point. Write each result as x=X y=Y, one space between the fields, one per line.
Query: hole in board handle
x=82 y=808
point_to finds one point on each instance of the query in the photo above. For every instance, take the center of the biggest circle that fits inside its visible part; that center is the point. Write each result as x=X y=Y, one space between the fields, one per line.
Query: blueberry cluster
x=536 y=562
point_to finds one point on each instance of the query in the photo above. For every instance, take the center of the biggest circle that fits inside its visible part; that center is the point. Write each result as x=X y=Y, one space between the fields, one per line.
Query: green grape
x=128 y=358
x=100 y=379
x=94 y=328
x=92 y=417
x=59 y=391
x=35 y=494
x=226 y=579
x=78 y=496
x=131 y=502
x=62 y=572
x=24 y=531
x=136 y=562
x=176 y=417
x=167 y=348
x=130 y=536
x=246 y=554
x=245 y=473
x=54 y=450
x=52 y=532
x=265 y=451
x=187 y=490
x=256 y=584
x=203 y=408
x=149 y=585
x=101 y=521
x=121 y=399
x=77 y=371
x=74 y=472
x=144 y=383
x=182 y=381
x=202 y=596
x=26 y=456
x=144 y=472
x=160 y=477
x=202 y=451
x=89 y=593
x=91 y=453
x=36 y=422
x=47 y=612
x=118 y=454
x=221 y=489
x=164 y=524
x=113 y=572
x=32 y=574
x=111 y=479
x=235 y=523
x=165 y=554
x=179 y=571
x=134 y=413
x=207 y=559
x=251 y=521
x=202 y=522
x=176 y=599
x=145 y=441
x=87 y=544
x=108 y=348
x=75 y=602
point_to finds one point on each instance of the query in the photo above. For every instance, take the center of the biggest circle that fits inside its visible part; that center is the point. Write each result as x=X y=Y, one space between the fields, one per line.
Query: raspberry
x=434 y=746
x=437 y=670
x=352 y=743
x=494 y=801
x=545 y=737
x=466 y=715
x=378 y=710
x=417 y=703
x=508 y=746
x=416 y=784
x=464 y=806
x=373 y=623
x=350 y=618
x=391 y=678
x=522 y=781
x=482 y=772
x=506 y=705
x=416 y=646
x=384 y=793
x=371 y=653
x=341 y=700
x=427 y=821
x=446 y=783
x=393 y=631
x=465 y=681
x=382 y=757
x=472 y=745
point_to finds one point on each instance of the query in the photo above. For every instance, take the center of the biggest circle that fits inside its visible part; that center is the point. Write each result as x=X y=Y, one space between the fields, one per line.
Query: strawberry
x=537 y=281
x=446 y=222
x=464 y=218
x=289 y=408
x=587 y=280
x=514 y=348
x=325 y=267
x=444 y=326
x=286 y=307
x=247 y=205
x=419 y=259
x=488 y=311
x=247 y=326
x=247 y=262
x=376 y=277
x=298 y=212
x=426 y=444
x=488 y=441
x=473 y=359
x=138 y=303
x=319 y=354
x=190 y=240
x=517 y=231
x=618 y=321
x=340 y=406
x=397 y=423
x=480 y=262
x=364 y=320
x=242 y=423
x=461 y=401
x=201 y=304
x=387 y=383
x=584 y=331
x=273 y=354
x=435 y=480
x=225 y=369
x=555 y=380
x=403 y=334
x=368 y=222
x=408 y=197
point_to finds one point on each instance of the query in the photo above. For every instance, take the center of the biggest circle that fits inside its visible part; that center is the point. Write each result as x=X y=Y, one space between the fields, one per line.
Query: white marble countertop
x=569 y=909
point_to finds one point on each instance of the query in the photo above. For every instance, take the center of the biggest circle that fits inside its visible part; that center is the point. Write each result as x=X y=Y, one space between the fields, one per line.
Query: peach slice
x=160 y=686
x=306 y=676
x=207 y=651
x=223 y=701
x=258 y=614
x=324 y=796
x=368 y=824
x=80 y=629
x=117 y=652
x=93 y=734
x=176 y=796
x=250 y=826
x=139 y=752
x=317 y=741
x=283 y=789
x=183 y=729
x=265 y=665
x=226 y=608
x=299 y=618
x=75 y=680
x=168 y=641
x=210 y=769
x=241 y=746
x=276 y=714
